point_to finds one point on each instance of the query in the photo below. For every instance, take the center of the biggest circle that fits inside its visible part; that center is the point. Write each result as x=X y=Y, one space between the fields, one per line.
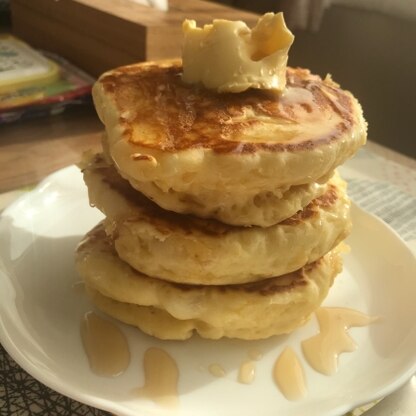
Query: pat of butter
x=229 y=57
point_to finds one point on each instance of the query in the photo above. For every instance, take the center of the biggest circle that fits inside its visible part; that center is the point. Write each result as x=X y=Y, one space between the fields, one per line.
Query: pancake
x=174 y=311
x=187 y=249
x=188 y=139
x=262 y=209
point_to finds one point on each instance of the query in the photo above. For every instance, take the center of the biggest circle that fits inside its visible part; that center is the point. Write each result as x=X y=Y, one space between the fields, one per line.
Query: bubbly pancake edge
x=187 y=249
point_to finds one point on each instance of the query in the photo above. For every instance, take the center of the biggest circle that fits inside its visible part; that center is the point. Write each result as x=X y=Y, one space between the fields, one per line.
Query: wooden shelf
x=104 y=34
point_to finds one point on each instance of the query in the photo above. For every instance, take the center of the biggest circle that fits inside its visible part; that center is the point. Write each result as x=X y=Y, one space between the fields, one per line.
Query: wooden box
x=102 y=34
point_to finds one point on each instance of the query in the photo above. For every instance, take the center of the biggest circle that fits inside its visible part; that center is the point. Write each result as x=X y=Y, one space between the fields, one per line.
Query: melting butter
x=229 y=57
x=289 y=376
x=216 y=370
x=161 y=378
x=322 y=350
x=106 y=346
x=247 y=372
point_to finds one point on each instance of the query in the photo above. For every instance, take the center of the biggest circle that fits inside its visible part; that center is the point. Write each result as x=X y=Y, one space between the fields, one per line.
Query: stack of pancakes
x=224 y=213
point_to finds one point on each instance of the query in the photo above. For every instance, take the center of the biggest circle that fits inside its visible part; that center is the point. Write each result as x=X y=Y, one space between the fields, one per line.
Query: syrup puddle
x=108 y=354
x=247 y=372
x=161 y=378
x=106 y=346
x=289 y=376
x=321 y=351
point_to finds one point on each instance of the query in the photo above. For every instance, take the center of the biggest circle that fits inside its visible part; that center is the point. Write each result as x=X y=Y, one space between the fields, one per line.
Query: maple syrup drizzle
x=247 y=372
x=161 y=378
x=105 y=345
x=289 y=376
x=255 y=354
x=216 y=370
x=322 y=350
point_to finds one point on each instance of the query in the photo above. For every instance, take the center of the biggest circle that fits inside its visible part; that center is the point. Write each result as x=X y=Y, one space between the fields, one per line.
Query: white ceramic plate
x=40 y=316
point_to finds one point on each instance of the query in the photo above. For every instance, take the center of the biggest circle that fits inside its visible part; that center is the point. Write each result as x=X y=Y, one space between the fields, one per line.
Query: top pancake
x=154 y=120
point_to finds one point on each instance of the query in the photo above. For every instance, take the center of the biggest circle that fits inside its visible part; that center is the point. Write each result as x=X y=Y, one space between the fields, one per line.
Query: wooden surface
x=32 y=149
x=104 y=34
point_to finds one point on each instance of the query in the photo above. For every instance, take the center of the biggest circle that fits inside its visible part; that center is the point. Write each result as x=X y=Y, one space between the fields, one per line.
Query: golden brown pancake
x=187 y=249
x=262 y=209
x=187 y=139
x=173 y=311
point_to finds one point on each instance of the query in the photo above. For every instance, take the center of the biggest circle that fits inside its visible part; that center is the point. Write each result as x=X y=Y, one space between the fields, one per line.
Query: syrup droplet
x=289 y=376
x=255 y=354
x=216 y=370
x=247 y=372
x=161 y=378
x=106 y=346
x=322 y=350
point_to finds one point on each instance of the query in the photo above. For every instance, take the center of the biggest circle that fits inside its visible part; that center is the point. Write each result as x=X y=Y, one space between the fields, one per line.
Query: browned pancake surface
x=267 y=287
x=157 y=110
